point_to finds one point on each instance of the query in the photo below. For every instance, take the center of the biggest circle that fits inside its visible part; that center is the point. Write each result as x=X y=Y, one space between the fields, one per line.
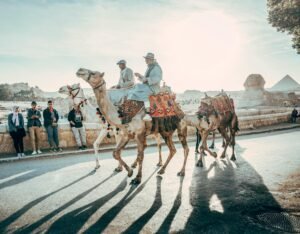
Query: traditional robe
x=126 y=83
x=141 y=92
x=126 y=78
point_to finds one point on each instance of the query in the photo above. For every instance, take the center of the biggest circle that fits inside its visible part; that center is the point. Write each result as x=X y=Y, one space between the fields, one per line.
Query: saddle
x=219 y=104
x=165 y=112
x=129 y=109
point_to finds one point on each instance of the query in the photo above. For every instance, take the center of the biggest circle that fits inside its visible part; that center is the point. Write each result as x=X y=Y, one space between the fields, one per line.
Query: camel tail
x=236 y=125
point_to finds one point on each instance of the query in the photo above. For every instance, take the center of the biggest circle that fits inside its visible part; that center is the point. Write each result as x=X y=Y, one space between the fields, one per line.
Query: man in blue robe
x=150 y=84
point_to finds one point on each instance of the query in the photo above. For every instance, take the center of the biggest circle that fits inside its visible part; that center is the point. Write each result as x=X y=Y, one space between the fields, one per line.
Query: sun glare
x=208 y=42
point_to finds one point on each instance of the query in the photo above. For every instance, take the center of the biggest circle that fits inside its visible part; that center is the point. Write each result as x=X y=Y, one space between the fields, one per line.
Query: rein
x=73 y=96
x=100 y=85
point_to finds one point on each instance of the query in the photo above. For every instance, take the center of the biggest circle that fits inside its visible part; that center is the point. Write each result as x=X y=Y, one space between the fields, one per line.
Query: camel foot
x=136 y=181
x=118 y=169
x=130 y=172
x=223 y=156
x=161 y=171
x=233 y=158
x=212 y=146
x=97 y=167
x=181 y=173
x=199 y=163
x=214 y=154
x=159 y=164
x=133 y=165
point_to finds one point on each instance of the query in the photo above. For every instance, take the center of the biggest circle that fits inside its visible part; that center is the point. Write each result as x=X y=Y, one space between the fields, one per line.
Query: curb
x=133 y=146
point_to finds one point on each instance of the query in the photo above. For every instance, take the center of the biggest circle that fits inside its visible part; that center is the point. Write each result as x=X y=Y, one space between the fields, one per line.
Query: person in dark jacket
x=16 y=130
x=50 y=122
x=75 y=118
x=294 y=115
x=34 y=128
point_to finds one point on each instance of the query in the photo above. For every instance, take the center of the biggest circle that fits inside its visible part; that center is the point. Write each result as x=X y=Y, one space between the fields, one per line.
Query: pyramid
x=287 y=83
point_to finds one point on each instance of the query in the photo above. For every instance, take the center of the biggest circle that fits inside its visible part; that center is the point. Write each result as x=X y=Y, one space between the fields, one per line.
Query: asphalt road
x=64 y=195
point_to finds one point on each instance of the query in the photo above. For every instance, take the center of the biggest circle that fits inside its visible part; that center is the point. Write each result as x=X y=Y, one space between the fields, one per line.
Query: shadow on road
x=138 y=224
x=38 y=223
x=80 y=216
x=230 y=200
x=35 y=168
x=109 y=216
x=9 y=220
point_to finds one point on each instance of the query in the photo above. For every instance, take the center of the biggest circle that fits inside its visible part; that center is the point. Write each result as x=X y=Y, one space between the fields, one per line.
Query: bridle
x=73 y=96
x=98 y=86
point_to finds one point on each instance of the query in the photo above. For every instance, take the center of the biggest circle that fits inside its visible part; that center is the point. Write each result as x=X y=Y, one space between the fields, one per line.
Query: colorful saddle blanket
x=165 y=112
x=129 y=109
x=162 y=105
x=219 y=104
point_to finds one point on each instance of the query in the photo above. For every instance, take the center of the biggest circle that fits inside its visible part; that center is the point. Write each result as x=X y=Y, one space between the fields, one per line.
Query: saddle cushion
x=162 y=105
x=220 y=104
x=129 y=109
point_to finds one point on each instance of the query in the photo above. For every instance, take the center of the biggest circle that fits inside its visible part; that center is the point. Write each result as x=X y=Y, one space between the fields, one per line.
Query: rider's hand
x=138 y=75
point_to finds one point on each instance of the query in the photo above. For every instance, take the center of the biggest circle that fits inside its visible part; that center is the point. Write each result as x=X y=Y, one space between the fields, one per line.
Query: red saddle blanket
x=162 y=105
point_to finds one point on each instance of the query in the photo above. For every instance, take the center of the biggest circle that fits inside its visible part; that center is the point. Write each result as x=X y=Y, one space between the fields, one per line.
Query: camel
x=220 y=122
x=137 y=129
x=77 y=97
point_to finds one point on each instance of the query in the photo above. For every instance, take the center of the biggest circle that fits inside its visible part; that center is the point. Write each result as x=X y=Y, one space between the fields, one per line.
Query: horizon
x=220 y=42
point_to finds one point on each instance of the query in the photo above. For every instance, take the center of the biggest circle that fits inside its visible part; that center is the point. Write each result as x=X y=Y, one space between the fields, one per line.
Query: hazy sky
x=205 y=45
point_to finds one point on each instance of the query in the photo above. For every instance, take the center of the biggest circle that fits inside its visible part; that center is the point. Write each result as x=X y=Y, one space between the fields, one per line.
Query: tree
x=284 y=15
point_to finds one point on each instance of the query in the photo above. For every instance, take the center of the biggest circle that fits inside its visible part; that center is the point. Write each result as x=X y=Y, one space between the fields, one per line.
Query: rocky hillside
x=20 y=92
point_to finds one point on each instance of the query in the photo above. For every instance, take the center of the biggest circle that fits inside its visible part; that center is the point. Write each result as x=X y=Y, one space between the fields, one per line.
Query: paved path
x=64 y=195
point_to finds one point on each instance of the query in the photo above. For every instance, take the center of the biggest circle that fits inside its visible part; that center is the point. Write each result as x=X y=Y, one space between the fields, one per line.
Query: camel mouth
x=79 y=74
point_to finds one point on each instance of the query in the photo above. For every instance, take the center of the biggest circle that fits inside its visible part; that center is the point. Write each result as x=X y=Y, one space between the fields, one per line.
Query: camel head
x=94 y=78
x=68 y=88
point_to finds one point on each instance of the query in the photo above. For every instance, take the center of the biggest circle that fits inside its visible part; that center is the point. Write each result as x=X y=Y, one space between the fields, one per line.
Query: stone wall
x=248 y=119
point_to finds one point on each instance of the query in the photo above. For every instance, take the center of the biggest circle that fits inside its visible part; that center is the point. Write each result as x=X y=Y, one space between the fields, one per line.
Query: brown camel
x=220 y=121
x=137 y=129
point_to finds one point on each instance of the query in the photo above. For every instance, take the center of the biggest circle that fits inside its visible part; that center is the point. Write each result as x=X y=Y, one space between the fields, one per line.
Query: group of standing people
x=17 y=130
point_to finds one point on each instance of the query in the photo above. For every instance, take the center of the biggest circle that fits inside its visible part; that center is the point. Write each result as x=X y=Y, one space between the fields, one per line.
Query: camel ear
x=102 y=74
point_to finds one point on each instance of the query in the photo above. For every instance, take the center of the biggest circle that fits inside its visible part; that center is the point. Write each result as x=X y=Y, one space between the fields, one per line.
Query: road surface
x=64 y=195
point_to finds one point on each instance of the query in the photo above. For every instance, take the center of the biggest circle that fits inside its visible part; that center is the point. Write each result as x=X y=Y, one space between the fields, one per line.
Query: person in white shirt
x=126 y=82
x=126 y=76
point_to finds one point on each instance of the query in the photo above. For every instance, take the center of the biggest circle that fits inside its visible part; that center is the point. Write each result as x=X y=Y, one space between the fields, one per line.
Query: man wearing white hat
x=150 y=84
x=126 y=82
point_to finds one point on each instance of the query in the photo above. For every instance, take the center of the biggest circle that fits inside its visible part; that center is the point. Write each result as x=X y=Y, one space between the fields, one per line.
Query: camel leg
x=141 y=139
x=226 y=139
x=172 y=151
x=159 y=145
x=182 y=134
x=117 y=154
x=233 y=158
x=212 y=146
x=117 y=139
x=96 y=145
x=204 y=147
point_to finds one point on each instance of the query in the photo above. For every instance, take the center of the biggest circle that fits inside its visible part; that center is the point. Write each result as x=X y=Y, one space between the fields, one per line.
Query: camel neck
x=107 y=108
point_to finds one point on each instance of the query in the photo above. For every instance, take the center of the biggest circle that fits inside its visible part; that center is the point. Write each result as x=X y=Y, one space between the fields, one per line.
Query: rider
x=117 y=92
x=150 y=84
x=126 y=76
